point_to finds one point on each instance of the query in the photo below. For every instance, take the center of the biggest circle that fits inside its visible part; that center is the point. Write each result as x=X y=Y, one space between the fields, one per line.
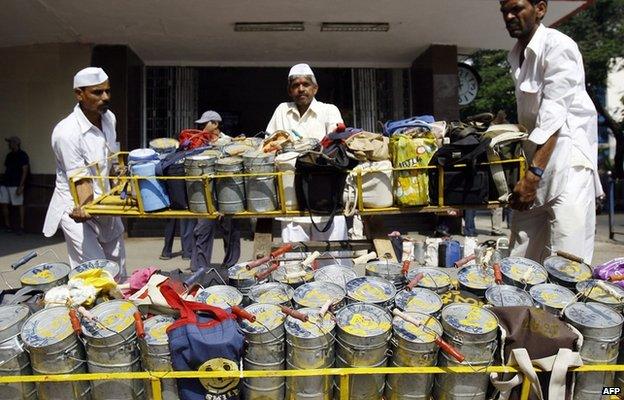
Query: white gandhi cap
x=89 y=76
x=300 y=70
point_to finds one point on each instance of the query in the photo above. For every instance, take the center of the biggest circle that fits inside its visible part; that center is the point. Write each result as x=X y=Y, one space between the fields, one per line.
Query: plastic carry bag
x=411 y=188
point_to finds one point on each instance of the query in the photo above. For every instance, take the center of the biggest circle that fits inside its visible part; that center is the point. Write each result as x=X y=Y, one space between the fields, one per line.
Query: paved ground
x=143 y=252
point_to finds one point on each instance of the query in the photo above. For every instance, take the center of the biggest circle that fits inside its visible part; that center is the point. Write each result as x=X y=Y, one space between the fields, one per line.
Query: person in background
x=554 y=204
x=86 y=136
x=308 y=118
x=206 y=229
x=13 y=184
x=187 y=237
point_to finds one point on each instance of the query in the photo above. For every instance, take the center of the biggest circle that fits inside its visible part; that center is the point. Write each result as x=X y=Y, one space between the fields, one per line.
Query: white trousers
x=85 y=242
x=567 y=223
x=305 y=232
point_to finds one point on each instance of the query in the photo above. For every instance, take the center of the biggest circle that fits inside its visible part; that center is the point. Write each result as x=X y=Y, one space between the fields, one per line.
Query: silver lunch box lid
x=107 y=265
x=419 y=300
x=474 y=276
x=337 y=274
x=469 y=318
x=418 y=334
x=552 y=295
x=12 y=318
x=316 y=294
x=370 y=289
x=113 y=317
x=156 y=329
x=590 y=289
x=45 y=273
x=268 y=316
x=432 y=279
x=516 y=268
x=315 y=327
x=271 y=292
x=47 y=327
x=593 y=315
x=566 y=270
x=507 y=296
x=222 y=296
x=363 y=320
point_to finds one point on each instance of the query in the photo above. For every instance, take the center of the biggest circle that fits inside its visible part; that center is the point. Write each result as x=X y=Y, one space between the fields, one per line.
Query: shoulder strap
x=187 y=309
x=176 y=157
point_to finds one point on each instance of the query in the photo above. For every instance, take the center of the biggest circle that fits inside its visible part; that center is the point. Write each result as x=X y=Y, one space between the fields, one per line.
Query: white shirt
x=76 y=142
x=551 y=97
x=318 y=120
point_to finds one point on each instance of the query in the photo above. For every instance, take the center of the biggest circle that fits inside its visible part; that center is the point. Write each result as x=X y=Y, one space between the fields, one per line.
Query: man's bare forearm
x=84 y=189
x=544 y=151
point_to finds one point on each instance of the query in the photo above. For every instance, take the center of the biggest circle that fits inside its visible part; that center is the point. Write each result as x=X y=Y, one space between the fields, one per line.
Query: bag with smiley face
x=211 y=341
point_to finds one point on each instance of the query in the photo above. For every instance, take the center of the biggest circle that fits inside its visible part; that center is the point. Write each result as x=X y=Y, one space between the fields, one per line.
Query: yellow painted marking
x=416 y=304
x=366 y=291
x=317 y=296
x=216 y=299
x=552 y=299
x=269 y=317
x=474 y=319
x=477 y=278
x=272 y=297
x=423 y=334
x=44 y=275
x=440 y=281
x=159 y=332
x=363 y=325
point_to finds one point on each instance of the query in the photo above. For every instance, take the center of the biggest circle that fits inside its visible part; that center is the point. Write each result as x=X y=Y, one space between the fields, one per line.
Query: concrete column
x=434 y=83
x=125 y=71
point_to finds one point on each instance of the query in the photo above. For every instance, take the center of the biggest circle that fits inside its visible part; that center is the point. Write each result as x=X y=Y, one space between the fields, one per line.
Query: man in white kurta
x=307 y=117
x=85 y=136
x=554 y=205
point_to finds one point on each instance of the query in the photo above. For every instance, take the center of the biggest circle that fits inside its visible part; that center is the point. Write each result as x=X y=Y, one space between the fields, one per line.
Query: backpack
x=463 y=185
x=209 y=342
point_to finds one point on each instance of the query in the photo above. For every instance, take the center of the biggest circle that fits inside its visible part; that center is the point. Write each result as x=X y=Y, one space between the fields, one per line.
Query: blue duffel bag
x=210 y=341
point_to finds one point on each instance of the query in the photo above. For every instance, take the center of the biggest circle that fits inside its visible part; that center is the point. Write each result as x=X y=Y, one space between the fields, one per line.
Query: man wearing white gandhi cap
x=84 y=137
x=308 y=118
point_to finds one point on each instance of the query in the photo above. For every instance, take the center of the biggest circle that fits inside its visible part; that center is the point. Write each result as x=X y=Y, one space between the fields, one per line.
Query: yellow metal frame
x=156 y=378
x=110 y=203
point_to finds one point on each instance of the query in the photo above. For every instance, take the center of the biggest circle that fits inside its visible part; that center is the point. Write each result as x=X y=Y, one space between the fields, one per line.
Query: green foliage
x=497 y=89
x=599 y=33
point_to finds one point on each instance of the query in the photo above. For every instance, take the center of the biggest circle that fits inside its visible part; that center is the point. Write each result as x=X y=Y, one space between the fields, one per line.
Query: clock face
x=468 y=84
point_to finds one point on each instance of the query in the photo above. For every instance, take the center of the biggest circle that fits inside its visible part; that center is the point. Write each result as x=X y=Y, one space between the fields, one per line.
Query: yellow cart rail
x=110 y=203
x=343 y=374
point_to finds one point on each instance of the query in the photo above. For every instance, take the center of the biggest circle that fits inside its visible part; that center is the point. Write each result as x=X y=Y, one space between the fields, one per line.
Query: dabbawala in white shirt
x=551 y=96
x=318 y=120
x=76 y=143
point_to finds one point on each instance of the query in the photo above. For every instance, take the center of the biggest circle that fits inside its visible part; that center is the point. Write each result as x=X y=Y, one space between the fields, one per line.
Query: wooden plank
x=375 y=230
x=384 y=249
x=263 y=237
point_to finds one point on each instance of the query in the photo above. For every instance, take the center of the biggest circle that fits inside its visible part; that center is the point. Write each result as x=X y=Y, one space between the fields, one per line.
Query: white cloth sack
x=285 y=162
x=376 y=186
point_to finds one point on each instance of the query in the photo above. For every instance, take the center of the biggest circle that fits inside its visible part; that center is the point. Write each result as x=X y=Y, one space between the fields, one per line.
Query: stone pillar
x=125 y=71
x=434 y=83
